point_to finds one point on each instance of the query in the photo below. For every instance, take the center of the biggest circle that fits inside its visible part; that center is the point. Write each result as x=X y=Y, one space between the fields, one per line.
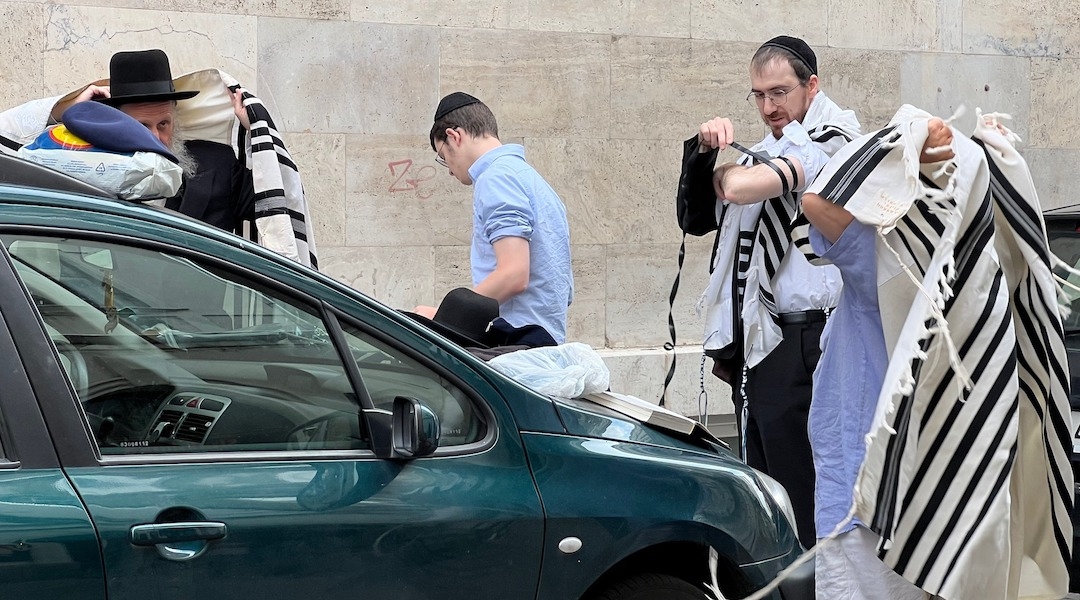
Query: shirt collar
x=822 y=110
x=489 y=157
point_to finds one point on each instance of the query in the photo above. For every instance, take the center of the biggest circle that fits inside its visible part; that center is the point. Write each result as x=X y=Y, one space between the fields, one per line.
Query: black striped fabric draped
x=967 y=474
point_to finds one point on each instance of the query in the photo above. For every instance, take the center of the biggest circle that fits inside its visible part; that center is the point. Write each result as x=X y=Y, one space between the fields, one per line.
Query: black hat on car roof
x=464 y=317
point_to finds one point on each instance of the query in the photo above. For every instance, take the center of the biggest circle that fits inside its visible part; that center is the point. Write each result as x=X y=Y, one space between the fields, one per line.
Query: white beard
x=179 y=149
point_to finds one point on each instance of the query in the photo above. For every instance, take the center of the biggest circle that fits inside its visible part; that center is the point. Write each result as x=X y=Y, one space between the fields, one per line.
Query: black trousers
x=778 y=403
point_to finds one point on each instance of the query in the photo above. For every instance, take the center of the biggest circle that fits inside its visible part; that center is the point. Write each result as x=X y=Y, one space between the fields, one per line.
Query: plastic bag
x=129 y=175
x=565 y=371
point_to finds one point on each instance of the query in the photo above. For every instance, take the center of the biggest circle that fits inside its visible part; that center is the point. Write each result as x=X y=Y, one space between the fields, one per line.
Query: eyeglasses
x=777 y=97
x=438 y=151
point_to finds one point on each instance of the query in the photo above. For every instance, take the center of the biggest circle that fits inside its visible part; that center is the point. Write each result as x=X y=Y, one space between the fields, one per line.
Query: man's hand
x=91 y=92
x=88 y=93
x=425 y=311
x=240 y=109
x=717 y=133
x=940 y=139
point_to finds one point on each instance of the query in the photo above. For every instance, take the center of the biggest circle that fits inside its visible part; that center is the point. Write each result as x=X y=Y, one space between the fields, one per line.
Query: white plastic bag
x=131 y=176
x=565 y=371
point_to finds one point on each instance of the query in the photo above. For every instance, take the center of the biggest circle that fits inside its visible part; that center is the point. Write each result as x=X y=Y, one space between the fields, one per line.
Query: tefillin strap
x=767 y=160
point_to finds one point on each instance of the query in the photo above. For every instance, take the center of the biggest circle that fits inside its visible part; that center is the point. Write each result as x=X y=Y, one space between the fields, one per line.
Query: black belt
x=802 y=317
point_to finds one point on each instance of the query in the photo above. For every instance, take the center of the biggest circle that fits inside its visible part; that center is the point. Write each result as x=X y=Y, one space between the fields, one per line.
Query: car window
x=170 y=355
x=388 y=373
x=1065 y=244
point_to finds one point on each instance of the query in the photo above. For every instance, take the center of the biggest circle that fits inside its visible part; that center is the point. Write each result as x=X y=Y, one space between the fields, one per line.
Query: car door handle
x=152 y=534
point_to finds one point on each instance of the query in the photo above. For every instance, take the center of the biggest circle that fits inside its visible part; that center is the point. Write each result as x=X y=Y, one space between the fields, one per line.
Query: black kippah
x=453 y=102
x=797 y=47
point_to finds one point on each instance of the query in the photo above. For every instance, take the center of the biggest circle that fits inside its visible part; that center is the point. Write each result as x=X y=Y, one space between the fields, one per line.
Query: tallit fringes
x=941 y=201
x=937 y=302
x=994 y=121
x=960 y=111
x=892 y=140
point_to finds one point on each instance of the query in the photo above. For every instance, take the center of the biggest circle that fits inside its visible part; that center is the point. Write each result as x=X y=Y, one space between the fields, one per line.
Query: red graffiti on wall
x=408 y=179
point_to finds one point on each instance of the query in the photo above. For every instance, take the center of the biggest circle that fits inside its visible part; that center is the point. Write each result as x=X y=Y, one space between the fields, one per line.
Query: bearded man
x=765 y=307
x=206 y=120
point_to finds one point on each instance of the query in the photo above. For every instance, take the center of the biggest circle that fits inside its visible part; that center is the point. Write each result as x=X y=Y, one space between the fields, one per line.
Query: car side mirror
x=416 y=428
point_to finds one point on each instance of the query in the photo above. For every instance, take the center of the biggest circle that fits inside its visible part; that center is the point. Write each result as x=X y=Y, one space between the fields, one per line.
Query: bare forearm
x=503 y=284
x=747 y=185
x=511 y=274
x=828 y=218
x=88 y=93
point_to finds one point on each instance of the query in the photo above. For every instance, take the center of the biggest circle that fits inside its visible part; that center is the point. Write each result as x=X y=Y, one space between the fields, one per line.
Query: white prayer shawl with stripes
x=967 y=474
x=752 y=241
x=281 y=211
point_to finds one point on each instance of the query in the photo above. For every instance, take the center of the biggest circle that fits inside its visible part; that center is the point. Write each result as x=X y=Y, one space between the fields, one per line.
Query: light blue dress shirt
x=510 y=198
x=849 y=375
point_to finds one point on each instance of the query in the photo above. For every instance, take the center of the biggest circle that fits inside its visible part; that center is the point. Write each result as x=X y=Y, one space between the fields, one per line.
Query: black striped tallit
x=764 y=235
x=282 y=218
x=772 y=235
x=970 y=486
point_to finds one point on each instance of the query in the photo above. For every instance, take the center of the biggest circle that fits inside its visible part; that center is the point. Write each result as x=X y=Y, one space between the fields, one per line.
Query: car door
x=48 y=547
x=223 y=428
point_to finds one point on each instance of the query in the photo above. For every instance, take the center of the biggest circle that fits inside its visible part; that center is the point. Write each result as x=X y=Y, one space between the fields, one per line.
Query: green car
x=186 y=415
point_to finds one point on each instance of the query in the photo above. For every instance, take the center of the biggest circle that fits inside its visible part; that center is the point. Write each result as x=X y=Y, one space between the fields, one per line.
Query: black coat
x=221 y=193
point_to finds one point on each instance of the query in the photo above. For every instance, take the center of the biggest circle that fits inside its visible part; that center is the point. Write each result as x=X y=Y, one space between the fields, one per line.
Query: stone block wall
x=601 y=94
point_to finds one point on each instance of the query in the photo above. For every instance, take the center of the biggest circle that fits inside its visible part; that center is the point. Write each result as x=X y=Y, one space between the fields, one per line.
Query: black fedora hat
x=464 y=317
x=142 y=76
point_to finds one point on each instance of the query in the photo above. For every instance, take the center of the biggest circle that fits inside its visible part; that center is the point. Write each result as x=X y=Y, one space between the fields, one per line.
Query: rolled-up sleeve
x=504 y=208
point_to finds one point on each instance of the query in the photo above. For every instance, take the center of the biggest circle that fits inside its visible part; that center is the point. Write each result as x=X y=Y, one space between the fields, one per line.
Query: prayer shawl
x=966 y=475
x=751 y=243
x=281 y=211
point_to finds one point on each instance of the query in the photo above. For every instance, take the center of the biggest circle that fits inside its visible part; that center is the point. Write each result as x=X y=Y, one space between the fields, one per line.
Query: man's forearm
x=511 y=274
x=502 y=285
x=828 y=218
x=746 y=185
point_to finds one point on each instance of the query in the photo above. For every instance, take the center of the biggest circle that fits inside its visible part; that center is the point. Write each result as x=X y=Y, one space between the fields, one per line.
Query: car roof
x=30 y=192
x=17 y=171
x=27 y=183
x=1071 y=210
